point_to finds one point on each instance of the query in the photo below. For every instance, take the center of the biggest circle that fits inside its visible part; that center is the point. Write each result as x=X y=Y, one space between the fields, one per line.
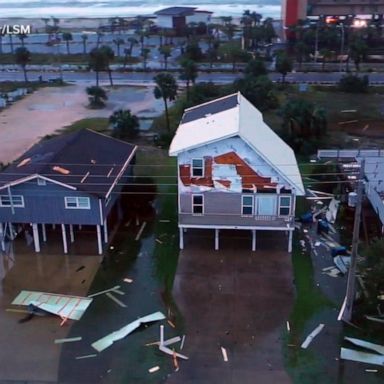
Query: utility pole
x=346 y=312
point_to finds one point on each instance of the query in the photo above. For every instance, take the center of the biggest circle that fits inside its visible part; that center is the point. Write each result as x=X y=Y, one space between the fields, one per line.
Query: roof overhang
x=36 y=176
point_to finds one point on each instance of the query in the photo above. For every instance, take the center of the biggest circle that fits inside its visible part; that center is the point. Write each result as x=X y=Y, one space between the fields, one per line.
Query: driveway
x=236 y=299
x=28 y=353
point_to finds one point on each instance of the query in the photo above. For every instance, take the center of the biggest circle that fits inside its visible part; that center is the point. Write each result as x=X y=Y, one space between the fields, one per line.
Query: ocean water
x=112 y=8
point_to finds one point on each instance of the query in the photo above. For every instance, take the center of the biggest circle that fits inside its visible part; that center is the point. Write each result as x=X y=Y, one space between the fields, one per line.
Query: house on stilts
x=69 y=181
x=234 y=172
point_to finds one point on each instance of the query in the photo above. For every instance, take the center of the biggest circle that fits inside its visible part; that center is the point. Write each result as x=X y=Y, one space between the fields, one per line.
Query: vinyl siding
x=45 y=204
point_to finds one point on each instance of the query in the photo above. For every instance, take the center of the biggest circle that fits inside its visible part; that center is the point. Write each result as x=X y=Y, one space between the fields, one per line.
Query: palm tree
x=97 y=62
x=188 y=72
x=1 y=41
x=166 y=89
x=11 y=42
x=283 y=65
x=109 y=57
x=358 y=51
x=142 y=35
x=132 y=42
x=166 y=51
x=67 y=37
x=100 y=34
x=118 y=42
x=22 y=58
x=84 y=37
x=22 y=37
x=145 y=54
x=96 y=96
x=125 y=125
x=327 y=55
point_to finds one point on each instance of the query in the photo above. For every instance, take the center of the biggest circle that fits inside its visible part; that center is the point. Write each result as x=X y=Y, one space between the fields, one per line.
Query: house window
x=197 y=204
x=197 y=168
x=73 y=202
x=41 y=181
x=247 y=205
x=16 y=201
x=285 y=205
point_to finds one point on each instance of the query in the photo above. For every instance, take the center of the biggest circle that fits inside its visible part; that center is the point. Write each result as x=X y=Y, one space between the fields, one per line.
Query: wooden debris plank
x=116 y=300
x=140 y=230
x=224 y=353
x=105 y=291
x=86 y=356
x=68 y=340
x=311 y=336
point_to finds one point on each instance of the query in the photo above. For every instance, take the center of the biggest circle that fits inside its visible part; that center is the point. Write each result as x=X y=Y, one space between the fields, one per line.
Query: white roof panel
x=242 y=120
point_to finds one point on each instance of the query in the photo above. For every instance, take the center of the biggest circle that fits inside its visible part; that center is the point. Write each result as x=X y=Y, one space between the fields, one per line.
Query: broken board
x=69 y=307
x=108 y=340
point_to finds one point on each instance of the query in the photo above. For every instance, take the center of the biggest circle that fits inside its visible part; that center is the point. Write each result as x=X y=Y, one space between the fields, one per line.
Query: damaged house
x=234 y=172
x=69 y=181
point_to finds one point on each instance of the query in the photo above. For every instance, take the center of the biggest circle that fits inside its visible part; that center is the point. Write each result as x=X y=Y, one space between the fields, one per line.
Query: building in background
x=294 y=10
x=177 y=18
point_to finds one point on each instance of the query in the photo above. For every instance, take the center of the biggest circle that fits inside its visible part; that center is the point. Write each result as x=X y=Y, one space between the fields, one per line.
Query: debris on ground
x=85 y=356
x=159 y=241
x=127 y=280
x=116 y=300
x=342 y=263
x=224 y=353
x=68 y=340
x=140 y=230
x=361 y=357
x=109 y=339
x=80 y=268
x=182 y=342
x=171 y=324
x=154 y=369
x=366 y=344
x=311 y=336
x=374 y=318
x=105 y=291
x=288 y=327
x=64 y=306
x=164 y=221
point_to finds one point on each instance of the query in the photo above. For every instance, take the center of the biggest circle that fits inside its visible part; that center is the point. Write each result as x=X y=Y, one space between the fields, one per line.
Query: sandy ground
x=33 y=341
x=236 y=299
x=47 y=110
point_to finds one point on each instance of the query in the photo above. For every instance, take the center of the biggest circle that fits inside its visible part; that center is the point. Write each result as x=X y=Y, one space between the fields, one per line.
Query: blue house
x=74 y=179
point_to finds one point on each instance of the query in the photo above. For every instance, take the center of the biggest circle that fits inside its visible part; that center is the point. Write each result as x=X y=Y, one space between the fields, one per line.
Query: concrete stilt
x=253 y=240
x=99 y=244
x=216 y=239
x=290 y=241
x=36 y=239
x=181 y=238
x=44 y=231
x=64 y=233
x=105 y=227
x=71 y=233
